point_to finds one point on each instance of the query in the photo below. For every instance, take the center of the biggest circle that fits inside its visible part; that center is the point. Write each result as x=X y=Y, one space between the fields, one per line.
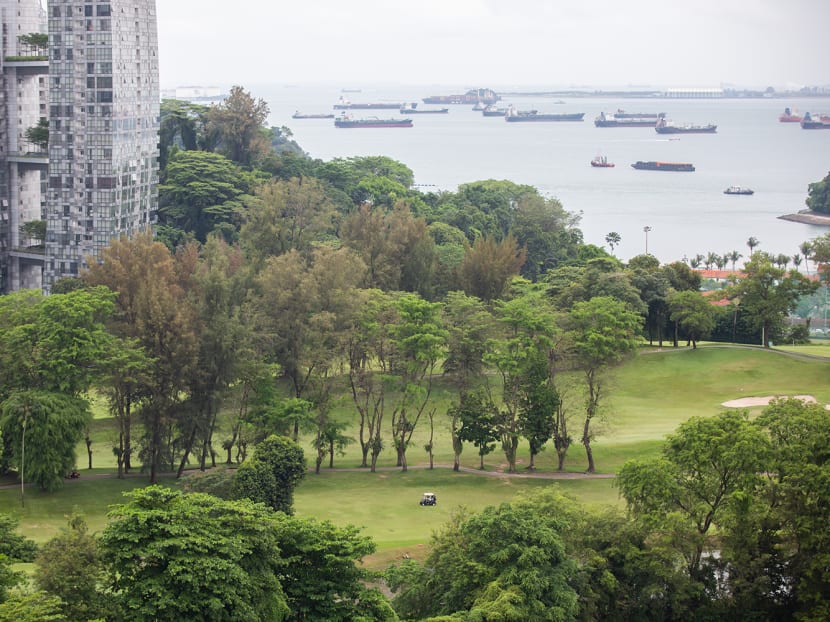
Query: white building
x=103 y=128
x=23 y=103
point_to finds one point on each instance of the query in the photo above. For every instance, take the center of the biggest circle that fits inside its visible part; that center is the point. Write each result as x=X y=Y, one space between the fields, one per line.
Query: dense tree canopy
x=818 y=195
x=174 y=556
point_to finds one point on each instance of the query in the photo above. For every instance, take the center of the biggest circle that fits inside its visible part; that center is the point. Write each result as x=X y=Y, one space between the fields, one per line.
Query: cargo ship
x=494 y=111
x=629 y=120
x=516 y=116
x=622 y=114
x=790 y=116
x=345 y=121
x=664 y=127
x=473 y=96
x=345 y=104
x=811 y=123
x=664 y=166
x=299 y=115
x=413 y=109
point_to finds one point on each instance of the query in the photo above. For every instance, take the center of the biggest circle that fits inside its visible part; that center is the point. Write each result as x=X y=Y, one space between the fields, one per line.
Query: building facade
x=103 y=128
x=23 y=163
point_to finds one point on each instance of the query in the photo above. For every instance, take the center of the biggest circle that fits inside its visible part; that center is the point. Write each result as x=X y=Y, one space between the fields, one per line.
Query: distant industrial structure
x=99 y=92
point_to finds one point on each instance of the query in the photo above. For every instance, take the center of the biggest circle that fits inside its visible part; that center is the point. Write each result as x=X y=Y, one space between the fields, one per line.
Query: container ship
x=664 y=166
x=348 y=122
x=473 y=96
x=628 y=120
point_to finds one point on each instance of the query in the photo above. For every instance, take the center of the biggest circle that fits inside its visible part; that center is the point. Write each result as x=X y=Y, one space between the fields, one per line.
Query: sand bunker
x=745 y=402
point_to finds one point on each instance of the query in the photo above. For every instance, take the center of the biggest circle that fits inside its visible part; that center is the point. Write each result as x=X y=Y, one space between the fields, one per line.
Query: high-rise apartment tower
x=103 y=128
x=23 y=106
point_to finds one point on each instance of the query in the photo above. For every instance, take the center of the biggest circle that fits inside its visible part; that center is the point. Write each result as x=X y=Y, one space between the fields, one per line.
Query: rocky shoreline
x=808 y=218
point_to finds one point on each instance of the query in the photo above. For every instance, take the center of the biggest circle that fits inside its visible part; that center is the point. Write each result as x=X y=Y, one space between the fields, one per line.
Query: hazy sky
x=752 y=43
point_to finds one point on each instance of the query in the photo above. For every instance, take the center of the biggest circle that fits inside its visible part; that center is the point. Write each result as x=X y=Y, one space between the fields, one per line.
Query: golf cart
x=428 y=499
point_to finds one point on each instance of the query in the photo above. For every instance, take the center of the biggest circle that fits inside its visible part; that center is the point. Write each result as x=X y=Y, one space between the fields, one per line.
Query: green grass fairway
x=648 y=398
x=45 y=514
x=385 y=504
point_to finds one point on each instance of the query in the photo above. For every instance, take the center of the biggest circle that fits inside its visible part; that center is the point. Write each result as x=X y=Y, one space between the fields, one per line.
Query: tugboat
x=601 y=162
x=790 y=116
x=738 y=190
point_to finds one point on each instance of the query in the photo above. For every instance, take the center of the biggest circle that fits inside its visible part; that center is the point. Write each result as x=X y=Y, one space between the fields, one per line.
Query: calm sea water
x=687 y=212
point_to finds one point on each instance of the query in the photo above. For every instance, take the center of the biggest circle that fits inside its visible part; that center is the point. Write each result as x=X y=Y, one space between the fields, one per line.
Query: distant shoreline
x=808 y=217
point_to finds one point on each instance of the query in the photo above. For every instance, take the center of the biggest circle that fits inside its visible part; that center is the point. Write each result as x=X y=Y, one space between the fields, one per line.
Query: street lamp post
x=646 y=229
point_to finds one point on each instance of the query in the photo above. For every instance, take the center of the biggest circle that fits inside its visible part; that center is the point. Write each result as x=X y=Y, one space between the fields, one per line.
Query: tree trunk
x=586 y=441
x=331 y=454
x=186 y=454
x=89 y=451
x=532 y=465
x=481 y=460
x=561 y=458
x=127 y=430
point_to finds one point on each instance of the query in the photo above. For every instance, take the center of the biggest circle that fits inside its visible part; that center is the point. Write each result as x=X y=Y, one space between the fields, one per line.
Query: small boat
x=790 y=116
x=664 y=166
x=346 y=121
x=601 y=162
x=413 y=109
x=738 y=190
x=479 y=106
x=299 y=115
x=666 y=127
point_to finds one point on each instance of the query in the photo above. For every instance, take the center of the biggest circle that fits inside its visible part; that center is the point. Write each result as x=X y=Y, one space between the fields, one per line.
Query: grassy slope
x=650 y=396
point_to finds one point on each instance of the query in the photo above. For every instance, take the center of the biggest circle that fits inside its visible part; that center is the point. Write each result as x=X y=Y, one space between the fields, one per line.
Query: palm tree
x=752 y=242
x=806 y=249
x=721 y=261
x=781 y=260
x=613 y=239
x=797 y=260
x=733 y=256
x=711 y=259
x=695 y=261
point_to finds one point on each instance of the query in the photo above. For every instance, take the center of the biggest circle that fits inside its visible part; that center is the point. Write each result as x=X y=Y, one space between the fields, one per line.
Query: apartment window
x=104 y=10
x=88 y=10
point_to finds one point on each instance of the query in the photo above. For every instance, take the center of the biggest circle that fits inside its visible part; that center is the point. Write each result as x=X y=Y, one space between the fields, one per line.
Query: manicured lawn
x=45 y=513
x=385 y=504
x=648 y=398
